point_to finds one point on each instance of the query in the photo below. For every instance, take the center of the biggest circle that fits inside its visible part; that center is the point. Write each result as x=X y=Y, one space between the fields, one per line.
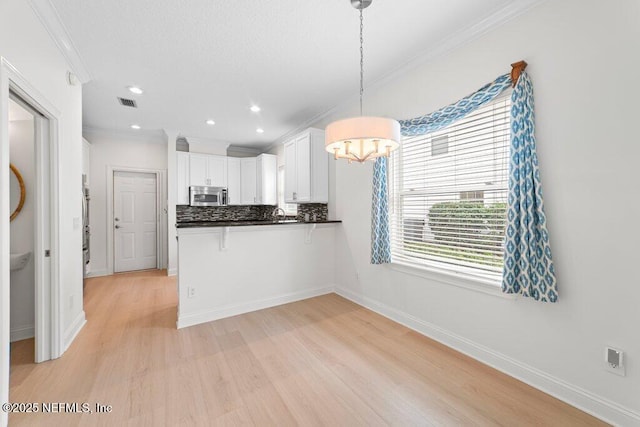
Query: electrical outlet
x=614 y=361
x=191 y=292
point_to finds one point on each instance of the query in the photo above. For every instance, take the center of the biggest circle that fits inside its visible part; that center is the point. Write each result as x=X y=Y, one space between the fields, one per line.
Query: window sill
x=460 y=280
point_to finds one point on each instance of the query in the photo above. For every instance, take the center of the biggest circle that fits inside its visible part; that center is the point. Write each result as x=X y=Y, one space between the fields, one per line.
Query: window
x=448 y=195
x=289 y=208
x=440 y=145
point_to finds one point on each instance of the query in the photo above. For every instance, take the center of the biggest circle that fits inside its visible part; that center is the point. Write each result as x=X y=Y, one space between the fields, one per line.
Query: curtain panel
x=528 y=265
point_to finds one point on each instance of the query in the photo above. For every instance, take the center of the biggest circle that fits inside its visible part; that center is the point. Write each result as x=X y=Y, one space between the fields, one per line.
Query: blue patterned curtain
x=456 y=111
x=528 y=266
x=380 y=237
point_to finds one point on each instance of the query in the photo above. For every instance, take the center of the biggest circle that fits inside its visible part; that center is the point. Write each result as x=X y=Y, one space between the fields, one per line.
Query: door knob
x=117 y=226
x=116 y=219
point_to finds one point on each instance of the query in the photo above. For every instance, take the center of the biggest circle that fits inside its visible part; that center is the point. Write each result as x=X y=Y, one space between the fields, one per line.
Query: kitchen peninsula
x=227 y=268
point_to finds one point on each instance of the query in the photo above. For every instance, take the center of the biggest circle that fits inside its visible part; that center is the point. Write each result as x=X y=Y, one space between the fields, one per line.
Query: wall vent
x=127 y=102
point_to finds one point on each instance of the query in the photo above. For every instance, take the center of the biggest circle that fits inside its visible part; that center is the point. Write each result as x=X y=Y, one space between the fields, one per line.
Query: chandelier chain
x=361 y=59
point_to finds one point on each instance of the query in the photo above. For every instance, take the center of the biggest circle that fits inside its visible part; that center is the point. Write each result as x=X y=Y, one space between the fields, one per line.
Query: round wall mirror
x=16 y=192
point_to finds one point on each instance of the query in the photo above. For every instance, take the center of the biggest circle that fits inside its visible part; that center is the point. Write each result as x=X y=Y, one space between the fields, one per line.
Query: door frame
x=161 y=214
x=47 y=305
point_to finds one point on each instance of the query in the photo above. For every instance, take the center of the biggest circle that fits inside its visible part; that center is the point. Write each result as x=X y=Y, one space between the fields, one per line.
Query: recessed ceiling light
x=210 y=122
x=136 y=127
x=255 y=108
x=136 y=90
x=260 y=130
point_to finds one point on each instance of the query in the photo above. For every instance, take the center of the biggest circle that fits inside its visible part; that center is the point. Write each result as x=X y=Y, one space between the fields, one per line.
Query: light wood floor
x=323 y=361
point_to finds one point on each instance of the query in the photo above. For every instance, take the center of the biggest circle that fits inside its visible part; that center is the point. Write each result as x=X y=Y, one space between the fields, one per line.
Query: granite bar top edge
x=204 y=224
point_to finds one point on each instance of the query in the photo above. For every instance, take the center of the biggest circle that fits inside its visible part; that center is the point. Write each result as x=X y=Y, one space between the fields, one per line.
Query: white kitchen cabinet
x=234 y=189
x=207 y=170
x=182 y=178
x=217 y=169
x=306 y=168
x=266 y=179
x=248 y=184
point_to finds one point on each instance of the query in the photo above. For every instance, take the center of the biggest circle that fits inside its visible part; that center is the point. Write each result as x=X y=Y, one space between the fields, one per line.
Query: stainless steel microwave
x=207 y=196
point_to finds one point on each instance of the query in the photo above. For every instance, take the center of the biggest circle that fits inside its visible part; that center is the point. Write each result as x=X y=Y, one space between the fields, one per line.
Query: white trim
x=591 y=403
x=234 y=310
x=60 y=36
x=453 y=278
x=48 y=289
x=441 y=48
x=172 y=271
x=161 y=218
x=23 y=333
x=72 y=332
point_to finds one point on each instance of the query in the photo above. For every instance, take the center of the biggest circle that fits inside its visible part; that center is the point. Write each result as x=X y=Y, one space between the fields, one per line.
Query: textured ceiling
x=201 y=59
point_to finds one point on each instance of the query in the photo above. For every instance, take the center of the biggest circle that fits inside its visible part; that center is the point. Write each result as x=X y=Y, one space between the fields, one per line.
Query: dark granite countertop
x=195 y=224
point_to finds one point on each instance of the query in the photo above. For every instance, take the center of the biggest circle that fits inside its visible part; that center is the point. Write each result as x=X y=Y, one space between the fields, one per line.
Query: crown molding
x=206 y=141
x=60 y=36
x=439 y=49
x=155 y=136
x=248 y=150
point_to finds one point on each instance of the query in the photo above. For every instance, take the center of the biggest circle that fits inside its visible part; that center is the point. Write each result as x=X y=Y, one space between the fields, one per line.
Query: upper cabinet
x=182 y=178
x=207 y=170
x=306 y=168
x=233 y=181
x=266 y=179
x=248 y=181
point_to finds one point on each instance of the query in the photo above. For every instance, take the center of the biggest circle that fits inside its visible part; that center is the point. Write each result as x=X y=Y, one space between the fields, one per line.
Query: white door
x=217 y=168
x=248 y=180
x=290 y=176
x=198 y=164
x=134 y=221
x=233 y=181
x=303 y=169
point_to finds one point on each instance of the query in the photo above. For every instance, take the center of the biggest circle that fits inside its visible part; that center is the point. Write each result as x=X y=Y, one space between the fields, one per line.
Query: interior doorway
x=29 y=231
x=135 y=221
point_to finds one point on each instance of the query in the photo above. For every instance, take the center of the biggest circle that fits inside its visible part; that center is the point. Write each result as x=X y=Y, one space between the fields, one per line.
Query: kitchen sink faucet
x=276 y=213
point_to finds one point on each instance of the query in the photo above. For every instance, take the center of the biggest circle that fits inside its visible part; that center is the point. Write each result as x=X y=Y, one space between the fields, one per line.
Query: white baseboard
x=172 y=271
x=73 y=330
x=98 y=273
x=234 y=310
x=593 y=404
x=22 y=333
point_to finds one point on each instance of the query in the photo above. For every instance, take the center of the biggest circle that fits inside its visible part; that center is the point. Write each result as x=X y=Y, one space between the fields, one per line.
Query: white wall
x=583 y=57
x=25 y=43
x=22 y=282
x=113 y=151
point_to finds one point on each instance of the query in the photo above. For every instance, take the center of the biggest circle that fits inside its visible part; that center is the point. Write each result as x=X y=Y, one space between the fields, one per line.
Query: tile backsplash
x=223 y=213
x=318 y=209
x=245 y=213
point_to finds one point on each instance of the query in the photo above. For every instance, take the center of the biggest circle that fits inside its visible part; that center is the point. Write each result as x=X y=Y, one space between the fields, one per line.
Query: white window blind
x=448 y=194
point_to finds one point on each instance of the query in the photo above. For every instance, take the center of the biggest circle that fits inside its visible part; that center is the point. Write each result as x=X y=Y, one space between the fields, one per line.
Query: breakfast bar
x=226 y=268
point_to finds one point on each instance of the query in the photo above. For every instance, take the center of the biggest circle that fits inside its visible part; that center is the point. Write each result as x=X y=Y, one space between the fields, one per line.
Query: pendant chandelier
x=362 y=138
